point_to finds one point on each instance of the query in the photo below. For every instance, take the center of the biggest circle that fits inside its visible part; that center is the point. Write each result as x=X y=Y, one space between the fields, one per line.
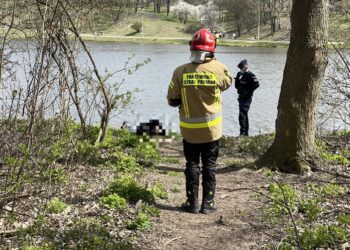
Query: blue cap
x=242 y=63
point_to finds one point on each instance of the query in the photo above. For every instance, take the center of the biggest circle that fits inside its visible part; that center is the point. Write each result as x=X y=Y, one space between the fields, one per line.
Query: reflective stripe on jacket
x=196 y=89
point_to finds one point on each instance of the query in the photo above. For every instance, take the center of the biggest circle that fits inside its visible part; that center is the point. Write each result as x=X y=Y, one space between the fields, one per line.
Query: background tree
x=294 y=142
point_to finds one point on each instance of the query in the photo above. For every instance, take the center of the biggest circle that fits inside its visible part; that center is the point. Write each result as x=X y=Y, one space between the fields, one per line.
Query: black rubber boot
x=208 y=207
x=191 y=205
x=190 y=208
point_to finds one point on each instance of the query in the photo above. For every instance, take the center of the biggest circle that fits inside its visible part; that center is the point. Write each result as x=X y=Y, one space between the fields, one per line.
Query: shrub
x=282 y=194
x=146 y=154
x=150 y=209
x=128 y=188
x=56 y=206
x=124 y=162
x=141 y=222
x=311 y=208
x=323 y=236
x=137 y=26
x=85 y=151
x=113 y=201
x=158 y=191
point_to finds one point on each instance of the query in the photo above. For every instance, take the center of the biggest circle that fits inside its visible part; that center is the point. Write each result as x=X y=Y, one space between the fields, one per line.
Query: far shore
x=184 y=40
x=174 y=40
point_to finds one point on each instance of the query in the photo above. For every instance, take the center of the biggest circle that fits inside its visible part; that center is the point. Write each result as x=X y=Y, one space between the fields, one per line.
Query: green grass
x=154 y=26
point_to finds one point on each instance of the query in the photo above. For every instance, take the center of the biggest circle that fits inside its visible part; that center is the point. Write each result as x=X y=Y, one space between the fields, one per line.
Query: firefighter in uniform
x=196 y=89
x=246 y=83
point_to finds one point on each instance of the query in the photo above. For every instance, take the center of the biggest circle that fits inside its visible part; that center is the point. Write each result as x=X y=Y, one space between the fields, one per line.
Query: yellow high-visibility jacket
x=197 y=88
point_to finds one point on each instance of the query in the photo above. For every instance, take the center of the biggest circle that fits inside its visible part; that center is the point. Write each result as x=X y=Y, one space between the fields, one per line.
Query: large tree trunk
x=294 y=143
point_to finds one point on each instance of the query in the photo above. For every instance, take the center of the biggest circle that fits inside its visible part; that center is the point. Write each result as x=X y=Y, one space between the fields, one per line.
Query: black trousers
x=208 y=153
x=244 y=106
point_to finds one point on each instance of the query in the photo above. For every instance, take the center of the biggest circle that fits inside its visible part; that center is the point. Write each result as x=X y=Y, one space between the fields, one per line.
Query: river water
x=153 y=80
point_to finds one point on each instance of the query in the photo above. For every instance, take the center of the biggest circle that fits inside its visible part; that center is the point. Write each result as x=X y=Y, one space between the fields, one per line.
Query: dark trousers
x=244 y=106
x=208 y=153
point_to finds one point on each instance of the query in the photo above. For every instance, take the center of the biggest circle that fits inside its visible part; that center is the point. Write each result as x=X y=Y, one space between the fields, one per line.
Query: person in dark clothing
x=246 y=83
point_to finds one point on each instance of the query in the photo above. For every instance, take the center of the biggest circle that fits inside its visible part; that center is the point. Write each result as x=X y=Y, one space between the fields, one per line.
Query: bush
x=141 y=222
x=56 y=206
x=158 y=191
x=282 y=194
x=323 y=237
x=150 y=210
x=137 y=26
x=128 y=188
x=113 y=201
x=146 y=154
x=124 y=162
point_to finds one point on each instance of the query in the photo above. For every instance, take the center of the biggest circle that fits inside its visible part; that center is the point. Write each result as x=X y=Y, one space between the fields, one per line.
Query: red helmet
x=203 y=40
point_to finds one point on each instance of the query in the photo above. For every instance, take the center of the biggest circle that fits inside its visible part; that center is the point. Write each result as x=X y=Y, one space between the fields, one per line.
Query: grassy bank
x=173 y=40
x=170 y=40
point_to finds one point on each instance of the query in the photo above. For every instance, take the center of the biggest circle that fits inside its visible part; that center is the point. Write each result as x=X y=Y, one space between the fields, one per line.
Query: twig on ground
x=169 y=241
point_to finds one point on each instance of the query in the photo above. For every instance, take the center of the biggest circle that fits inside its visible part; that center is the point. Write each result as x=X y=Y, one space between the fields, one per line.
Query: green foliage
x=158 y=191
x=56 y=175
x=87 y=152
x=175 y=174
x=329 y=189
x=247 y=146
x=113 y=201
x=11 y=218
x=336 y=158
x=311 y=208
x=56 y=206
x=137 y=26
x=129 y=188
x=150 y=210
x=282 y=194
x=344 y=219
x=119 y=138
x=312 y=231
x=124 y=162
x=141 y=222
x=339 y=156
x=87 y=234
x=171 y=160
x=323 y=236
x=146 y=154
x=90 y=234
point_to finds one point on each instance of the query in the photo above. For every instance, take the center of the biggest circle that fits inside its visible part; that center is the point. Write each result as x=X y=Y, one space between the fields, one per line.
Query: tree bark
x=167 y=7
x=294 y=144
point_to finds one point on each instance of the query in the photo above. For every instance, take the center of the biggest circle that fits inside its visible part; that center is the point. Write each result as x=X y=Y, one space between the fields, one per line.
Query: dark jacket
x=246 y=83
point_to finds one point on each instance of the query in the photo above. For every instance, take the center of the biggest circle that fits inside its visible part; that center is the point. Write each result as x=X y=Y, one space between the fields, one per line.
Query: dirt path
x=222 y=230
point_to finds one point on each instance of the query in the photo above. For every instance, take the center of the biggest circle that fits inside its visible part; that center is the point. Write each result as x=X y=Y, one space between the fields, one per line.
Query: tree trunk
x=103 y=125
x=167 y=7
x=294 y=143
x=238 y=29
